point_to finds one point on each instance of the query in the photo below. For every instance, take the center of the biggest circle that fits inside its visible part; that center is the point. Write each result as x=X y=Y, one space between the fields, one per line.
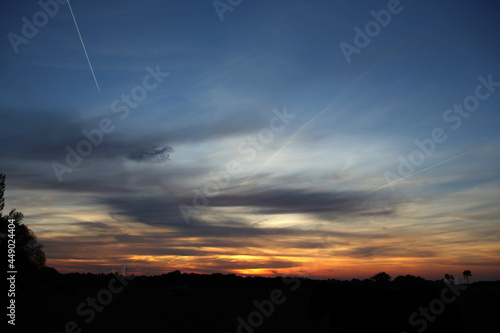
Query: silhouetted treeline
x=49 y=275
x=408 y=304
x=189 y=302
x=219 y=280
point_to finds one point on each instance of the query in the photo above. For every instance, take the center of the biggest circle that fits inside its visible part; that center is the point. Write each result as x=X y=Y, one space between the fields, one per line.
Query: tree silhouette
x=450 y=278
x=381 y=277
x=28 y=251
x=466 y=274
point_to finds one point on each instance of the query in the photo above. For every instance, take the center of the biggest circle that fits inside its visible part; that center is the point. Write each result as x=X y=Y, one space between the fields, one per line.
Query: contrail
x=84 y=50
x=428 y=168
x=292 y=137
x=289 y=141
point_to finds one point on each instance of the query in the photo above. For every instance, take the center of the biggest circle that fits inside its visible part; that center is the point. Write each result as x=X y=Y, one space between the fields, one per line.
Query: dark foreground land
x=178 y=302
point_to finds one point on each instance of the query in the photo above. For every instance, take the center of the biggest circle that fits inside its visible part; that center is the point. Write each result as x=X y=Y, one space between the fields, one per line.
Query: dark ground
x=212 y=303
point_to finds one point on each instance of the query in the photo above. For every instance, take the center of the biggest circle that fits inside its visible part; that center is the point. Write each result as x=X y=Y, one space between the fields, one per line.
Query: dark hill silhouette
x=188 y=302
x=368 y=307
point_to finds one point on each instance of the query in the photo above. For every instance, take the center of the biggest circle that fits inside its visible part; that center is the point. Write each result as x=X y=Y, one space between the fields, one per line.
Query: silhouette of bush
x=29 y=256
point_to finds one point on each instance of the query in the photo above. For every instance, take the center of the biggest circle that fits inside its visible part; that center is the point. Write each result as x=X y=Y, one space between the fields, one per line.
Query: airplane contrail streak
x=84 y=49
x=290 y=140
x=428 y=168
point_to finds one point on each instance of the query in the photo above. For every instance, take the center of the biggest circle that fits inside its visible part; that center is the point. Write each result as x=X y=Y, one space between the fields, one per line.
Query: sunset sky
x=265 y=137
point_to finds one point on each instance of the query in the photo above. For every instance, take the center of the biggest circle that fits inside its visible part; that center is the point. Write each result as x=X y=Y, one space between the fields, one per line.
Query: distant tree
x=176 y=273
x=29 y=255
x=467 y=274
x=450 y=278
x=381 y=277
x=409 y=280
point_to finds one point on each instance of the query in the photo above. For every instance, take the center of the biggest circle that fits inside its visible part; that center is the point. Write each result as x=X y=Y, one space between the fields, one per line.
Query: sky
x=329 y=139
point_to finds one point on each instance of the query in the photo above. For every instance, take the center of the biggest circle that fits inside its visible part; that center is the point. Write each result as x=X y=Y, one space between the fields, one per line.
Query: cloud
x=151 y=155
x=304 y=201
x=364 y=252
x=325 y=205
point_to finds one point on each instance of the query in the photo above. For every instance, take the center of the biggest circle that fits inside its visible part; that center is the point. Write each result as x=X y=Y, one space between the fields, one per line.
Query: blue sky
x=312 y=197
